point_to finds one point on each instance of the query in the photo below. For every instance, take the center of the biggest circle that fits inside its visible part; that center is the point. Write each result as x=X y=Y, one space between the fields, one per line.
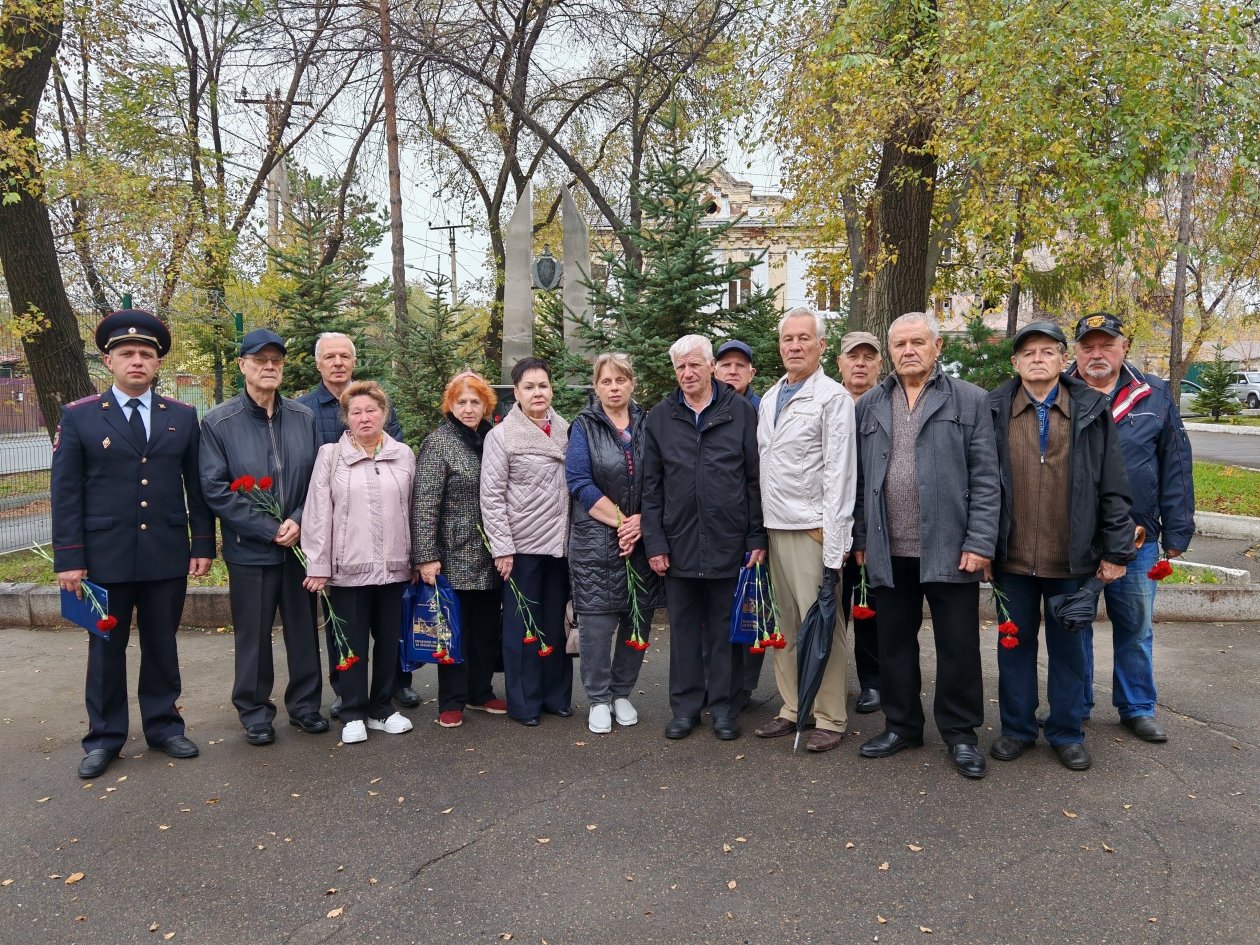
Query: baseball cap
x=854 y=338
x=1100 y=321
x=260 y=338
x=734 y=345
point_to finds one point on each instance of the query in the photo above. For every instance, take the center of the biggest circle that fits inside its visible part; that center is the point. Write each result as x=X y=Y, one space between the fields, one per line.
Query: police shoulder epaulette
x=84 y=400
x=177 y=403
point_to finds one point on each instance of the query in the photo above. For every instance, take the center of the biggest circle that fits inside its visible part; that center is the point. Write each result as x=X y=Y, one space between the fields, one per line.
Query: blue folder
x=81 y=611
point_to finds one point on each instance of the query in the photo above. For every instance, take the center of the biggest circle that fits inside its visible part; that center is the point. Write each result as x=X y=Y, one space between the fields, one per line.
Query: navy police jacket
x=122 y=512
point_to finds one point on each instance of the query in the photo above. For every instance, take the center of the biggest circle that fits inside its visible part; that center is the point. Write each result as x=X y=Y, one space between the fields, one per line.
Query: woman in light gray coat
x=356 y=537
x=525 y=508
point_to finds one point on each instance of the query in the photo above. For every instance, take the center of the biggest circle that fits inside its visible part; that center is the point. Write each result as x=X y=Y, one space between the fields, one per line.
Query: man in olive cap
x=128 y=514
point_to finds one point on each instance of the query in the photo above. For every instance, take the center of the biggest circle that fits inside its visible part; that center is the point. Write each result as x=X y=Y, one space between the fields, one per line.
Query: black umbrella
x=1078 y=609
x=813 y=649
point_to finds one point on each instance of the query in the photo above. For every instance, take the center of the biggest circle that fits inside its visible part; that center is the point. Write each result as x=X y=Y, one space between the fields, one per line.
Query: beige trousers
x=796 y=570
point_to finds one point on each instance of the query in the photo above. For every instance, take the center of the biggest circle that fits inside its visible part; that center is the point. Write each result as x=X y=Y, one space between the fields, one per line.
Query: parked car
x=1246 y=384
x=1185 y=403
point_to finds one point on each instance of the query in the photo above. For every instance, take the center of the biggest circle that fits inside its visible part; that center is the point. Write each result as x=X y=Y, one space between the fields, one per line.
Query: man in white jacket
x=808 y=451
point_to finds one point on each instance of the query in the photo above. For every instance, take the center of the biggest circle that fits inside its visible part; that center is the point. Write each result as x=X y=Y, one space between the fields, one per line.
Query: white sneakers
x=625 y=712
x=353 y=732
x=600 y=719
x=396 y=724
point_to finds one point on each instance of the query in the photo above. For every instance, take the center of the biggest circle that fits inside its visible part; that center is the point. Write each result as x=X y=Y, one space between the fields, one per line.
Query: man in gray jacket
x=261 y=435
x=926 y=521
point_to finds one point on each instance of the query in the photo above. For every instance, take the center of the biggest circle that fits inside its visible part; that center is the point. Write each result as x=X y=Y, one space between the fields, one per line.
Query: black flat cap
x=1049 y=329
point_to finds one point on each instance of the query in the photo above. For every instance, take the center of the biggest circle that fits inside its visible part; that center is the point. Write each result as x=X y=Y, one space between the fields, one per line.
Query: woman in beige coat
x=525 y=508
x=356 y=535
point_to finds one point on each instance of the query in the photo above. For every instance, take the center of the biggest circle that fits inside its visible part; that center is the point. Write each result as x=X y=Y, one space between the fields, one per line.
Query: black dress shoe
x=407 y=697
x=95 y=762
x=1008 y=749
x=1073 y=756
x=312 y=723
x=1146 y=728
x=679 y=728
x=178 y=746
x=335 y=709
x=888 y=743
x=968 y=760
x=260 y=734
x=867 y=701
x=726 y=730
x=528 y=723
x=563 y=713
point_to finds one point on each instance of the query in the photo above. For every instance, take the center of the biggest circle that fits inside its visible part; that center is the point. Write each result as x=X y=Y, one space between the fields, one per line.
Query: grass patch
x=1229 y=421
x=37 y=482
x=1195 y=576
x=1226 y=489
x=26 y=566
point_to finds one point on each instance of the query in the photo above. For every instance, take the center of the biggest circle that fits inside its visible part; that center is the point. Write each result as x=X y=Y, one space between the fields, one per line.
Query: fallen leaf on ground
x=7 y=882
x=1109 y=849
x=330 y=891
x=881 y=920
x=916 y=849
x=44 y=800
x=850 y=845
x=154 y=927
x=925 y=930
x=164 y=826
x=447 y=811
x=1068 y=813
x=372 y=881
x=122 y=779
x=726 y=848
x=505 y=936
x=295 y=795
x=741 y=839
x=374 y=793
x=73 y=878
x=543 y=839
x=259 y=846
x=883 y=867
x=168 y=936
x=375 y=781
x=592 y=826
x=731 y=884
x=333 y=913
x=740 y=757
x=1128 y=806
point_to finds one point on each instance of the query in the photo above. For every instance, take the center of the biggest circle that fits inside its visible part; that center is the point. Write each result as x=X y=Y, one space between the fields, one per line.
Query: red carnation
x=1161 y=570
x=343 y=666
x=264 y=482
x=633 y=644
x=756 y=648
x=102 y=625
x=247 y=483
x=236 y=484
x=1009 y=642
x=546 y=649
x=643 y=644
x=350 y=661
x=862 y=613
x=529 y=638
x=1008 y=626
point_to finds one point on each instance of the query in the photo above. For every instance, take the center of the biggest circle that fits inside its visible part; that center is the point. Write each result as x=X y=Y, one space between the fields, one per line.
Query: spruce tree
x=1215 y=399
x=978 y=357
x=678 y=285
x=570 y=373
x=313 y=297
x=438 y=342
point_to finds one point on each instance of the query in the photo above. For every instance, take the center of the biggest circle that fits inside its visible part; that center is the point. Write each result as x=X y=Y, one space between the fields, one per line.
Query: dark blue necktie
x=137 y=423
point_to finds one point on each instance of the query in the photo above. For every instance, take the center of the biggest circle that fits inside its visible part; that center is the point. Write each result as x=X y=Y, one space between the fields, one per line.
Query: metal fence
x=26 y=454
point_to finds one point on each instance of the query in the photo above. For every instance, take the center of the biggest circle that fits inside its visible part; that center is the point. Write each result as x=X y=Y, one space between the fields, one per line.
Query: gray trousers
x=609 y=667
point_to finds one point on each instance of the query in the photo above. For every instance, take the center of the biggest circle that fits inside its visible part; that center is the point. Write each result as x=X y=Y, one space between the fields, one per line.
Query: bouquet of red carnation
x=533 y=633
x=1008 y=632
x=1161 y=569
x=862 y=610
x=258 y=491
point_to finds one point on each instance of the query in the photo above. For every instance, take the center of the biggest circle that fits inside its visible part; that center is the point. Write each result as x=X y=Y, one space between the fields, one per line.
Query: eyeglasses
x=263 y=360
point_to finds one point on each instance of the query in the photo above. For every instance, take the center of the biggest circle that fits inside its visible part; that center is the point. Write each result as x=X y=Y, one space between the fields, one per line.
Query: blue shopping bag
x=746 y=608
x=430 y=631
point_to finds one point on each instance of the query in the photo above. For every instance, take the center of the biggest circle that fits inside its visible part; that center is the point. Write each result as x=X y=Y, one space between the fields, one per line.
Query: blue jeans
x=1130 y=604
x=1017 y=666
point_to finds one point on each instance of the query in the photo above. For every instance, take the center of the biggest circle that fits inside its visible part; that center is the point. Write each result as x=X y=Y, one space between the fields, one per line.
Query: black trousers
x=158 y=606
x=401 y=679
x=255 y=593
x=865 y=632
x=958 y=706
x=481 y=636
x=370 y=614
x=536 y=684
x=702 y=659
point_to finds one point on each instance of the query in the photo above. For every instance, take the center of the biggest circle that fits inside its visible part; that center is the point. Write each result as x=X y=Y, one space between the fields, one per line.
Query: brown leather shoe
x=822 y=739
x=776 y=727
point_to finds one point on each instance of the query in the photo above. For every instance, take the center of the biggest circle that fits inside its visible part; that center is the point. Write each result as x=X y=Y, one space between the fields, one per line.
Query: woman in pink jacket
x=356 y=534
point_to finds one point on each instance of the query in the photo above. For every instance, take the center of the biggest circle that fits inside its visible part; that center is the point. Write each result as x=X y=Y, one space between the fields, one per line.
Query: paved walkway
x=555 y=835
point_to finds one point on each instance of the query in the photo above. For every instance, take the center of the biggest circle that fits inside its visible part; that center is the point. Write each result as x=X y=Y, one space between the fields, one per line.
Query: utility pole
x=397 y=251
x=278 y=177
x=451 y=228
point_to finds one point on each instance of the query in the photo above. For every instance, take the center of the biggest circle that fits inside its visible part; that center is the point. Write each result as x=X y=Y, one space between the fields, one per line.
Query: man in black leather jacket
x=262 y=435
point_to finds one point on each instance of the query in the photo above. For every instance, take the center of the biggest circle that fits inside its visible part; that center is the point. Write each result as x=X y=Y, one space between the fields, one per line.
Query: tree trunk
x=901 y=225
x=854 y=235
x=1176 y=365
x=1017 y=258
x=28 y=253
x=397 y=252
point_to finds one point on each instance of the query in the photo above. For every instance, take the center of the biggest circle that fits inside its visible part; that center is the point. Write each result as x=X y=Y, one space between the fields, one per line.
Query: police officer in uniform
x=128 y=514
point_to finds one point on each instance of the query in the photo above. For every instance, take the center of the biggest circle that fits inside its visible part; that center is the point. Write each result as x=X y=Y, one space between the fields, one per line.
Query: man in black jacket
x=260 y=434
x=125 y=498
x=701 y=518
x=1065 y=506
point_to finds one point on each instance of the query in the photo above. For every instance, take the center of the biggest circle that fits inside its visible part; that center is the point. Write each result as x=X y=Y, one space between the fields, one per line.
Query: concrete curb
x=1214 y=428
x=1218 y=525
x=34 y=605
x=1180 y=603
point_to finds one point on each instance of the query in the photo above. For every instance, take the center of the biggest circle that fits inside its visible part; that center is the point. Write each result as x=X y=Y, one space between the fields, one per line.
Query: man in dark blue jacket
x=1157 y=456
x=125 y=499
x=335 y=359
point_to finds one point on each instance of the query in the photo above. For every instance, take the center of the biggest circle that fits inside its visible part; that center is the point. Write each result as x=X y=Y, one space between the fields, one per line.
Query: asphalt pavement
x=1232 y=448
x=493 y=832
